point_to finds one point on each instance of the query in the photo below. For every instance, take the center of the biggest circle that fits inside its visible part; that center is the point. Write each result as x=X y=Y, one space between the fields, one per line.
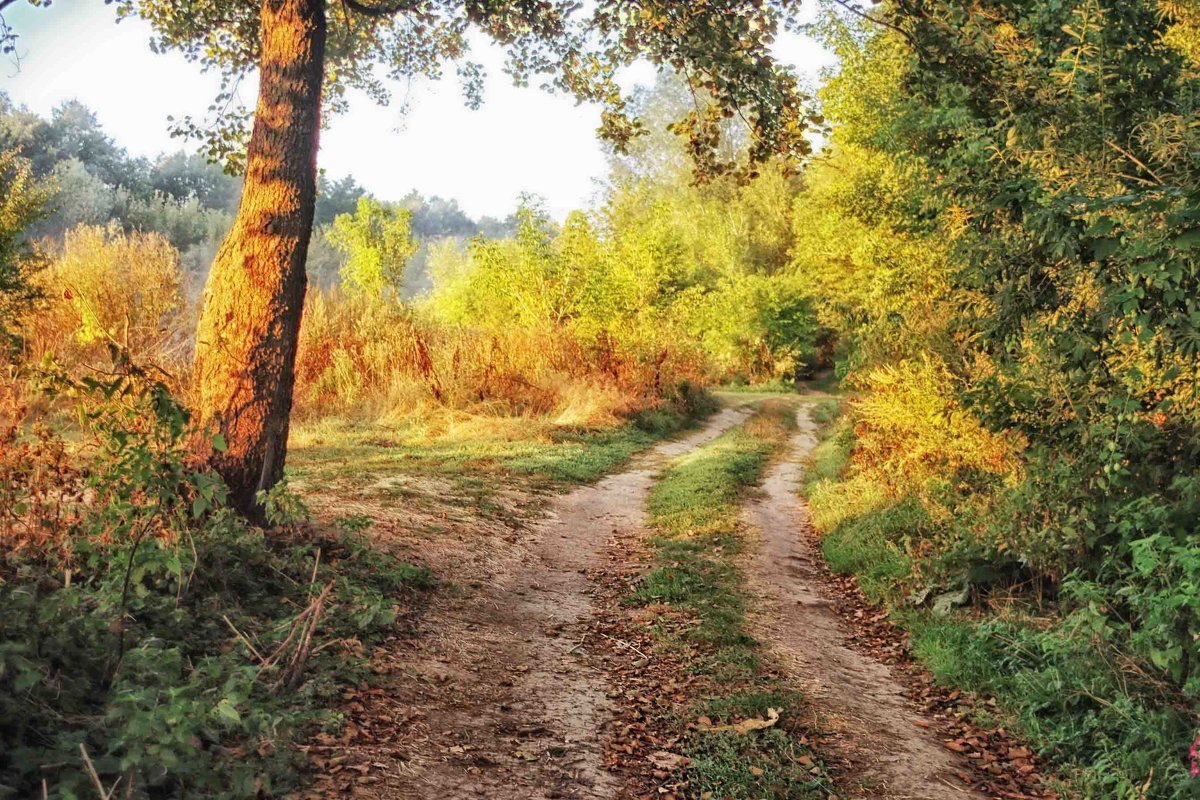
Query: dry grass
x=360 y=358
x=384 y=361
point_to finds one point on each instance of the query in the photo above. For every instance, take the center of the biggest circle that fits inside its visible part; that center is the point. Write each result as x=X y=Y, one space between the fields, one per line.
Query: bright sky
x=522 y=140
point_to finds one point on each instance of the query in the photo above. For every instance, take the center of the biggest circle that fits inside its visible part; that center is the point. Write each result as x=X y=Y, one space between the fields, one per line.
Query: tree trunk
x=250 y=327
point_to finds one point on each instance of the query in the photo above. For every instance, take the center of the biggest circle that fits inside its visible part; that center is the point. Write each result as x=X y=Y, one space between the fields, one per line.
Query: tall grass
x=385 y=360
x=361 y=357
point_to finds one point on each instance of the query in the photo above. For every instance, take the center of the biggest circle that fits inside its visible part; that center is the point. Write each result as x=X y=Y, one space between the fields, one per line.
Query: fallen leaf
x=664 y=759
x=747 y=725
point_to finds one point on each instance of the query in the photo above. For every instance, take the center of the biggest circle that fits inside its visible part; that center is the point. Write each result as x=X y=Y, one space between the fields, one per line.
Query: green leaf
x=1103 y=248
x=1101 y=227
x=26 y=679
x=218 y=443
x=1187 y=240
x=227 y=713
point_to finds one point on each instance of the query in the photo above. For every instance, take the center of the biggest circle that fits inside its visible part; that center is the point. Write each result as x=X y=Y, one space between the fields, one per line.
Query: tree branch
x=372 y=11
x=858 y=12
x=8 y=37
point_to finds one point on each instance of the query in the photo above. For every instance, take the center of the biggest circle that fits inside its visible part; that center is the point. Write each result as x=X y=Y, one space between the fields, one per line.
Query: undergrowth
x=151 y=642
x=1061 y=681
x=695 y=512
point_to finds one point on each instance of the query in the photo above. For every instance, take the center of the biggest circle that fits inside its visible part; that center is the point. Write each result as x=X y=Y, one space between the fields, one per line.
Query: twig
x=303 y=615
x=626 y=644
x=331 y=643
x=316 y=564
x=1135 y=160
x=858 y=12
x=245 y=641
x=302 y=652
x=105 y=794
x=137 y=541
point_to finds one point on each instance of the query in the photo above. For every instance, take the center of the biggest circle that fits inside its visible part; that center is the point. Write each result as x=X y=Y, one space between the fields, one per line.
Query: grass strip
x=697 y=588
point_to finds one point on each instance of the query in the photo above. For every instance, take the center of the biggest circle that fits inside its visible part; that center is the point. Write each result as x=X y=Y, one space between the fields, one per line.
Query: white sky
x=522 y=140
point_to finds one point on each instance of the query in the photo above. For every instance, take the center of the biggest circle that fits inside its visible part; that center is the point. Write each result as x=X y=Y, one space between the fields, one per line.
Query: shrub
x=107 y=288
x=22 y=201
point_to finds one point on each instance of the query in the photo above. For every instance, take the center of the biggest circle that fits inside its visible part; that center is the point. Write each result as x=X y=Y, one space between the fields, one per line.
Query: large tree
x=308 y=53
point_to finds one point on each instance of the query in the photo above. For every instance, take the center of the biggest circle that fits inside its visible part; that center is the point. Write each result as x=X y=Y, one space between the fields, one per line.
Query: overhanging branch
x=858 y=12
x=387 y=10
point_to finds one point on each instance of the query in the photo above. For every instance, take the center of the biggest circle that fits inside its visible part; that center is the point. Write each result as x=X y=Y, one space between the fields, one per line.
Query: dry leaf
x=747 y=725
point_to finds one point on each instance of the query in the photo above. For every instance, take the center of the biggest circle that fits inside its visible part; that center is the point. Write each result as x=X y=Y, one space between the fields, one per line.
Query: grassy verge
x=506 y=451
x=695 y=510
x=1058 y=684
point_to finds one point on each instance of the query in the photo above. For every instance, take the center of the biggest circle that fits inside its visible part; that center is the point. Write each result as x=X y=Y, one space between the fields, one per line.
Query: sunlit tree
x=377 y=243
x=22 y=201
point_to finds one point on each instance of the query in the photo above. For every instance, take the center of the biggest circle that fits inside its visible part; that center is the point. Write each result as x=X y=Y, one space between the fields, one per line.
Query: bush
x=107 y=288
x=1095 y=664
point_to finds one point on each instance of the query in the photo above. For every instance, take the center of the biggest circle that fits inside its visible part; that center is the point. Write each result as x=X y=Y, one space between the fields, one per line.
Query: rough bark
x=250 y=326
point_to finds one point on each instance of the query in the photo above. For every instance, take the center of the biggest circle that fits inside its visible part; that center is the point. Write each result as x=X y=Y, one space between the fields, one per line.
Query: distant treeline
x=190 y=200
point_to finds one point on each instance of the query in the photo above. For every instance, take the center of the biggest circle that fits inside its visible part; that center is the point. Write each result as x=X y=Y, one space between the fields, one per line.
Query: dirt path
x=506 y=703
x=873 y=729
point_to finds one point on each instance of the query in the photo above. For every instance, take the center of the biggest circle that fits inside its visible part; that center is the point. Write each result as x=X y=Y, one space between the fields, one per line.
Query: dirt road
x=513 y=707
x=850 y=695
x=499 y=697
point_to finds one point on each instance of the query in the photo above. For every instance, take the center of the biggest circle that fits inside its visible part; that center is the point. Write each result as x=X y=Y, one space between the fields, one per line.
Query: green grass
x=869 y=546
x=770 y=387
x=862 y=531
x=473 y=459
x=584 y=457
x=695 y=511
x=826 y=410
x=826 y=384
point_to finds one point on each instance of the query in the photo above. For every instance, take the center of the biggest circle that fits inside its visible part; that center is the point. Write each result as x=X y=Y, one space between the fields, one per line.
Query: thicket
x=1003 y=233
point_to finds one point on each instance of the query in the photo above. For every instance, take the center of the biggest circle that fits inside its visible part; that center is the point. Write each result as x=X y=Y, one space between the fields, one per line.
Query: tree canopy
x=722 y=47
